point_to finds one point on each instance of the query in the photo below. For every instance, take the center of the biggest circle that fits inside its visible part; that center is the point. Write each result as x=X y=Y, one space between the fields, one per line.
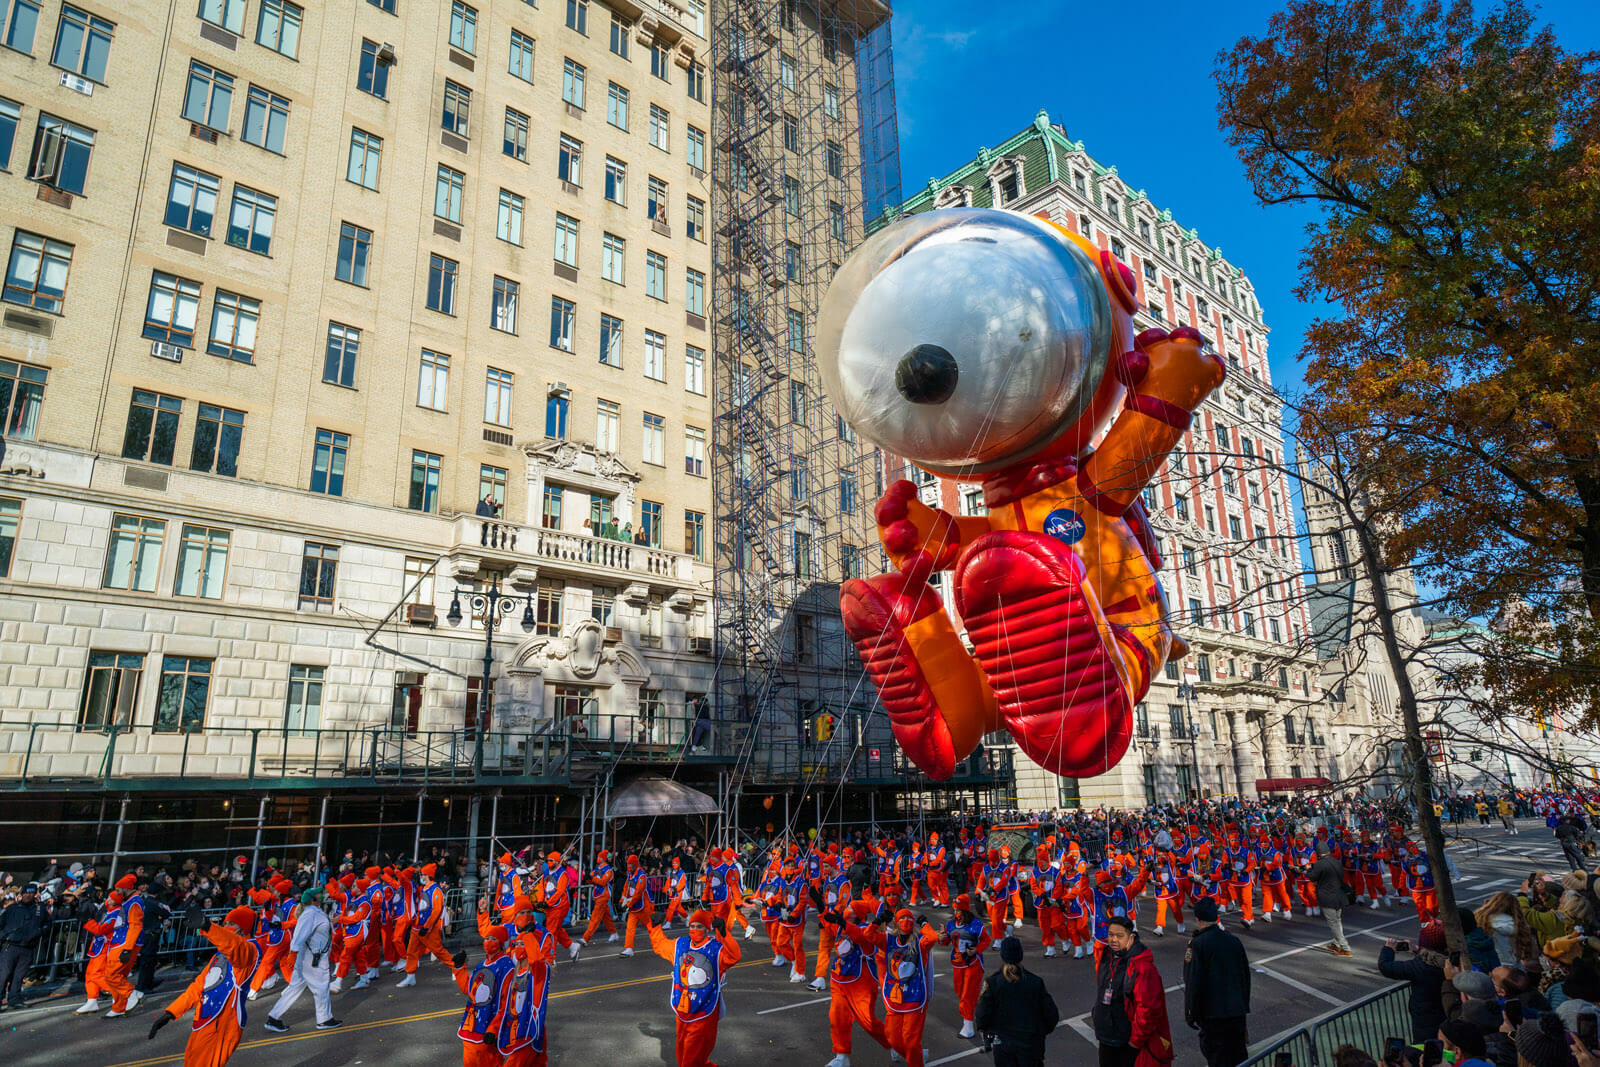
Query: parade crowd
x=882 y=906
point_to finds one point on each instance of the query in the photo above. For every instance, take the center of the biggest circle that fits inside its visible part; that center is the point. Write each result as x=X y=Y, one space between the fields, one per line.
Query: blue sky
x=962 y=84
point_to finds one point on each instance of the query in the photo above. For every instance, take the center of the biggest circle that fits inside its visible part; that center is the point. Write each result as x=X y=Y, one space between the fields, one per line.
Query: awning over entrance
x=1290 y=785
x=652 y=795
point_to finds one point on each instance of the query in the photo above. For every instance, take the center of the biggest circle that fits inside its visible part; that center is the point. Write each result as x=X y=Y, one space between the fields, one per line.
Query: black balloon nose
x=927 y=375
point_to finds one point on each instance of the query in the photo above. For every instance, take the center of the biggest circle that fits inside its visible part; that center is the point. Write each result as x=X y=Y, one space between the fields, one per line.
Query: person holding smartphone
x=1425 y=972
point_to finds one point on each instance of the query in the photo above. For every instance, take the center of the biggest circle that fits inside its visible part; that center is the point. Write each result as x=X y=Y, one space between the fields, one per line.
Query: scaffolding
x=806 y=146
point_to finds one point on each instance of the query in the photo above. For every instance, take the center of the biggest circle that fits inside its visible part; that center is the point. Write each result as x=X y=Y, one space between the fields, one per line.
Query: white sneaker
x=1374 y=903
x=894 y=1057
x=1078 y=953
x=248 y=996
x=361 y=983
x=841 y=1060
x=406 y=982
x=780 y=961
x=749 y=932
x=819 y=983
x=1017 y=925
x=796 y=976
x=967 y=1029
x=1181 y=930
x=667 y=925
x=613 y=939
x=336 y=986
x=269 y=983
x=89 y=1007
x=115 y=1014
x=580 y=941
x=394 y=968
x=372 y=973
x=1267 y=917
x=134 y=998
x=1050 y=951
x=1161 y=931
x=625 y=953
x=574 y=953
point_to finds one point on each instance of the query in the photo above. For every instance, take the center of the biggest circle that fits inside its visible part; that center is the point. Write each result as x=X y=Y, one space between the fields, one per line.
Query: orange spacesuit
x=905 y=976
x=699 y=962
x=427 y=927
x=852 y=981
x=217 y=992
x=122 y=946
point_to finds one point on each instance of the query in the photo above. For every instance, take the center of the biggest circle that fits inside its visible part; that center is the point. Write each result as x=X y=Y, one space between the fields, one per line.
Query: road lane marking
x=1295 y=983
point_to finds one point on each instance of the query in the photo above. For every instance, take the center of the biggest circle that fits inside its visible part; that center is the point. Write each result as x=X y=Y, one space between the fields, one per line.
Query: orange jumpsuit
x=938 y=875
x=355 y=920
x=967 y=940
x=836 y=893
x=217 y=997
x=1042 y=884
x=554 y=893
x=405 y=888
x=426 y=929
x=852 y=988
x=677 y=892
x=274 y=943
x=487 y=988
x=94 y=972
x=906 y=983
x=636 y=898
x=601 y=905
x=792 y=921
x=696 y=1029
x=127 y=924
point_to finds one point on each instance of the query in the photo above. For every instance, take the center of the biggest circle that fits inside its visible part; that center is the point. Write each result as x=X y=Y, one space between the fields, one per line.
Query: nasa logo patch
x=1065 y=525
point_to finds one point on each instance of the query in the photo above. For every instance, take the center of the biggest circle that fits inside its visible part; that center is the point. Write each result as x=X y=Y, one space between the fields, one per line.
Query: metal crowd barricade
x=1366 y=1024
x=60 y=954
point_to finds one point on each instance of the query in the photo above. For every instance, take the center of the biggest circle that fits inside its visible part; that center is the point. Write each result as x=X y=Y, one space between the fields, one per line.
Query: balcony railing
x=644 y=737
x=514 y=541
x=789 y=760
x=66 y=754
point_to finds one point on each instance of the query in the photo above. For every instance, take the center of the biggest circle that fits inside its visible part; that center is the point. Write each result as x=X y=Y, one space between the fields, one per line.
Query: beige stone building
x=291 y=291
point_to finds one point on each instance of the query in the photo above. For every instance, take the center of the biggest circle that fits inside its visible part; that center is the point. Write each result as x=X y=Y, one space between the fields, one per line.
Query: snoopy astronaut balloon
x=997 y=348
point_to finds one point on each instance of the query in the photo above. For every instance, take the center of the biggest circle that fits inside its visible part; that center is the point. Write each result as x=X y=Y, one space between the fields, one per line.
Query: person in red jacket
x=852 y=984
x=699 y=962
x=1130 y=1005
x=217 y=992
x=600 y=908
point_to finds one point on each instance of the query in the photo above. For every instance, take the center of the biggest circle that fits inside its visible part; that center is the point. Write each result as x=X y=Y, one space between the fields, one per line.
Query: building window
x=339 y=363
x=550 y=507
x=847 y=495
x=694 y=292
x=319 y=567
x=366 y=150
x=266 y=120
x=547 y=606
x=655 y=275
x=21 y=18
x=619 y=37
x=152 y=431
x=185 y=691
x=372 y=76
x=448 y=188
x=802 y=556
x=791 y=134
x=302 y=715
x=833 y=157
x=694 y=446
x=171 y=310
x=653 y=446
x=566 y=240
x=660 y=62
x=617 y=106
x=578 y=16
x=463 y=27
x=61 y=154
x=229 y=14
x=442 y=284
x=192 y=200
x=696 y=141
x=797 y=402
x=616 y=181
x=836 y=224
x=21 y=395
x=10 y=114
x=555 y=416
x=233 y=326
x=649 y=533
x=797 y=331
x=433 y=380
x=503 y=306
x=218 y=435
x=608 y=422
x=786 y=71
x=612 y=250
x=694 y=370
x=456 y=114
x=659 y=124
x=424 y=495
x=516 y=135
x=202 y=562
x=133 y=557
x=572 y=77
x=830 y=102
x=1197 y=612
x=569 y=161
x=492 y=486
x=328 y=456
x=251 y=219
x=799 y=479
x=650 y=637
x=208 y=96
x=610 y=340
x=562 y=313
x=655 y=355
x=694 y=226
x=521 y=62
x=10 y=516
x=694 y=534
x=36 y=275
x=355 y=249
x=655 y=206
x=497 y=397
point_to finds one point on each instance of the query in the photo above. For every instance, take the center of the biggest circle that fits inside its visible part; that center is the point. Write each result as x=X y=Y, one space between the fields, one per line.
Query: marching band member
x=1169 y=894
x=636 y=899
x=427 y=927
x=905 y=976
x=94 y=973
x=677 y=893
x=938 y=872
x=792 y=921
x=1041 y=881
x=122 y=948
x=487 y=989
x=998 y=881
x=555 y=893
x=834 y=895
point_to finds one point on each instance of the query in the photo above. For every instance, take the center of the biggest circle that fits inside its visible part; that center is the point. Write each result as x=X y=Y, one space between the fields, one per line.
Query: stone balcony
x=476 y=542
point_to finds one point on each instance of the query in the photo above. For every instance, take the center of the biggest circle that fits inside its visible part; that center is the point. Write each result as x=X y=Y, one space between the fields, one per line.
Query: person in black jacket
x=157 y=916
x=1017 y=1010
x=1216 y=989
x=22 y=923
x=1426 y=974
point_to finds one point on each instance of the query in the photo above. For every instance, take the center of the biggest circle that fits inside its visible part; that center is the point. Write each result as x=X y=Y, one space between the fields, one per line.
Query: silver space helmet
x=964 y=339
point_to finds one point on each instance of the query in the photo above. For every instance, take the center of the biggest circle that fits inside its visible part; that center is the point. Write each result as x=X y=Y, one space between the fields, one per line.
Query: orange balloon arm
x=907 y=527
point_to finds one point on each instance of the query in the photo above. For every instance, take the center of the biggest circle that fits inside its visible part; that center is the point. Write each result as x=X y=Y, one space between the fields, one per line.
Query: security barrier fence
x=1367 y=1024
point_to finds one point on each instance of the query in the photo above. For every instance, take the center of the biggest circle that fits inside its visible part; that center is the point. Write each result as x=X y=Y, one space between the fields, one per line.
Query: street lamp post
x=493 y=604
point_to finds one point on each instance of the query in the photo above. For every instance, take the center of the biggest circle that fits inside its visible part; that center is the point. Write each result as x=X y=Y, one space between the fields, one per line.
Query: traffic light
x=825 y=723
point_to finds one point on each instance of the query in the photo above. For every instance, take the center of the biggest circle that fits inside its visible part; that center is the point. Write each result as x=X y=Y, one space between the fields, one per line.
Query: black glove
x=161 y=1020
x=835 y=918
x=461 y=960
x=882 y=916
x=922 y=921
x=124 y=956
x=720 y=927
x=816 y=897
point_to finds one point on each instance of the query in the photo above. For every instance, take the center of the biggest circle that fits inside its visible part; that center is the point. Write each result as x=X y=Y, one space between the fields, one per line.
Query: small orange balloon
x=770 y=828
x=766 y=802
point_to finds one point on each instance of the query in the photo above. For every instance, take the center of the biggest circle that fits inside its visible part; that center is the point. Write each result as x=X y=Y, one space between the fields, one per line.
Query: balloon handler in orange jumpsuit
x=699 y=962
x=905 y=976
x=94 y=974
x=852 y=982
x=122 y=948
x=967 y=935
x=600 y=907
x=427 y=927
x=487 y=988
x=994 y=348
x=217 y=993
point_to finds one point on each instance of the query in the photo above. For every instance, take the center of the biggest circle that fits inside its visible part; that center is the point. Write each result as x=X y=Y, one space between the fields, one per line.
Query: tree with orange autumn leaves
x=1453 y=164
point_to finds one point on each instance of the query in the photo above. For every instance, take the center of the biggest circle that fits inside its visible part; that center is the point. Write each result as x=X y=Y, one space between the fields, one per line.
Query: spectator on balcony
x=487 y=508
x=627 y=533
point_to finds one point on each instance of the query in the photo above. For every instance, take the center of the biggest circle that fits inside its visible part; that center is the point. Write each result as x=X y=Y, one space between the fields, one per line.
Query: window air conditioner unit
x=558 y=389
x=700 y=645
x=385 y=53
x=164 y=350
x=422 y=614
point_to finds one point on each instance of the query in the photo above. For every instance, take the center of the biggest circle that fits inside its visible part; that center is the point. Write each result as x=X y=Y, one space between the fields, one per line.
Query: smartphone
x=1284 y=1059
x=1402 y=946
x=1455 y=960
x=1432 y=1052
x=1589 y=1030
x=1513 y=1010
x=1391 y=1049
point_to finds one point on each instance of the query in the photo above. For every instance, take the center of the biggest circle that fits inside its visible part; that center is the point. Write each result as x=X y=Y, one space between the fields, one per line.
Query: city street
x=604 y=1009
